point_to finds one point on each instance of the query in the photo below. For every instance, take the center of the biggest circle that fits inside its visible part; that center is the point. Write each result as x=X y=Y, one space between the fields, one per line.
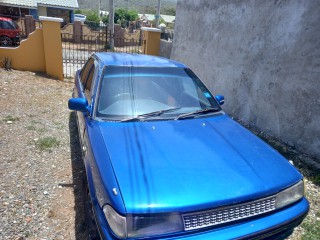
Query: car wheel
x=5 y=41
x=89 y=214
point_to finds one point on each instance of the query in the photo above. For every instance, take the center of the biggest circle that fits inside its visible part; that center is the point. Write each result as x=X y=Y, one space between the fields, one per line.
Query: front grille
x=228 y=214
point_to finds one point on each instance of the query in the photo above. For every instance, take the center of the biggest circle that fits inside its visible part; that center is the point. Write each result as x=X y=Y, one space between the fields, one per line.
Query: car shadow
x=79 y=179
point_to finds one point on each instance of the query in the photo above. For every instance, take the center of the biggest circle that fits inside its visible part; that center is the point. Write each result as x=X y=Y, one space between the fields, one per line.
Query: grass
x=47 y=143
x=10 y=118
x=311 y=230
x=31 y=128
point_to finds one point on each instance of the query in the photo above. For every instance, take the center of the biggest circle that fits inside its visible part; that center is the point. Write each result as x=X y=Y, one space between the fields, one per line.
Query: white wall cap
x=50 y=19
x=150 y=29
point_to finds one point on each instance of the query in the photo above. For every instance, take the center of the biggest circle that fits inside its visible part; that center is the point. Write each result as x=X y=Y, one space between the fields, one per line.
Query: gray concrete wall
x=165 y=48
x=264 y=56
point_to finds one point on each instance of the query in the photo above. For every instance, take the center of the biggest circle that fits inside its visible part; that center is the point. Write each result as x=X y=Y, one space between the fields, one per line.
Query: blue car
x=164 y=161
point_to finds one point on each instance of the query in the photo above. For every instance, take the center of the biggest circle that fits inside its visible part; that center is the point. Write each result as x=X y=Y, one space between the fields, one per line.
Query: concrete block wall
x=264 y=56
x=165 y=48
x=41 y=52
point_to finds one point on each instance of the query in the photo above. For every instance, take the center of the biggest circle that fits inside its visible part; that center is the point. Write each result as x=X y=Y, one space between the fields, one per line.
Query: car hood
x=192 y=164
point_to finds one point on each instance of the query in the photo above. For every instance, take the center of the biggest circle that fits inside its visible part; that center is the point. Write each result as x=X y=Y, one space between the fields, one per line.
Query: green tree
x=131 y=15
x=105 y=19
x=119 y=15
x=124 y=16
x=93 y=20
x=93 y=16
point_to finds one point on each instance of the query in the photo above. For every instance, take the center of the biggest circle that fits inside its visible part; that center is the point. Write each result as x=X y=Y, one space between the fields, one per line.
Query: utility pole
x=158 y=14
x=99 y=7
x=111 y=23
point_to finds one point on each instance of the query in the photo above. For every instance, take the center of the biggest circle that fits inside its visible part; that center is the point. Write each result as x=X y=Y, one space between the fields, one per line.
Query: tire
x=5 y=41
x=93 y=233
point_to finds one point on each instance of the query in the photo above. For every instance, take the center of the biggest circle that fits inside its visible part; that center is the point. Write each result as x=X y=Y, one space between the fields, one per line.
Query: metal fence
x=76 y=49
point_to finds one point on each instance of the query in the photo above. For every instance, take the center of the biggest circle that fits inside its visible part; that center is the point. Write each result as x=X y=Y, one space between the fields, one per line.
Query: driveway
x=40 y=163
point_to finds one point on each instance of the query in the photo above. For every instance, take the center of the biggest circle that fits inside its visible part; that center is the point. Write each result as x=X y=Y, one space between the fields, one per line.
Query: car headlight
x=290 y=195
x=134 y=226
x=116 y=222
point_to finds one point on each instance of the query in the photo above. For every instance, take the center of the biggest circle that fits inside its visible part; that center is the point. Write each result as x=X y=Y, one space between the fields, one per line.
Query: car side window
x=88 y=84
x=85 y=72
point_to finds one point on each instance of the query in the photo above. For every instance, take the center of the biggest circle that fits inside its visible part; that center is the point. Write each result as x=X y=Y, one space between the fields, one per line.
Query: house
x=51 y=8
x=168 y=20
x=147 y=20
x=150 y=19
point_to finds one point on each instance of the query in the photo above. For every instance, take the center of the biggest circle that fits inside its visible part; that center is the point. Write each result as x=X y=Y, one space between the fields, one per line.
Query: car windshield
x=151 y=92
x=8 y=24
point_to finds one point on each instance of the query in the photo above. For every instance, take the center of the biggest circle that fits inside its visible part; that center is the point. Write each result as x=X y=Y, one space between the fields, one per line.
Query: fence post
x=151 y=43
x=77 y=31
x=29 y=24
x=52 y=46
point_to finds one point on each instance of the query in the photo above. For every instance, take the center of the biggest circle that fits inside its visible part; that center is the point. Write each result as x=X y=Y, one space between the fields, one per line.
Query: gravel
x=38 y=178
x=41 y=168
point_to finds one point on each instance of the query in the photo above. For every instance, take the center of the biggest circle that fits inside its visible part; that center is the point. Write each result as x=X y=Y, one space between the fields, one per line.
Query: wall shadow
x=79 y=179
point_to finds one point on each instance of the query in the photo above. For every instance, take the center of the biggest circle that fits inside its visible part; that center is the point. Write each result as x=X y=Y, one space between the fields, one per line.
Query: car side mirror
x=78 y=104
x=220 y=99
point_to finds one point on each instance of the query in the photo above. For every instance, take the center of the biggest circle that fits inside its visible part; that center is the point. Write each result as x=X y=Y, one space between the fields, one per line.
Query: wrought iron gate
x=77 y=48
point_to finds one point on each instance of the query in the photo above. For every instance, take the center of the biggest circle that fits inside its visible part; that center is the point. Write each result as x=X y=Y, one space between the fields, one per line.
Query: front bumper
x=278 y=225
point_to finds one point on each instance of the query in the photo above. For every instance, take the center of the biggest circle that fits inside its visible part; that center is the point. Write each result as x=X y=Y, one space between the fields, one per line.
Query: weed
x=47 y=143
x=31 y=128
x=10 y=118
x=311 y=229
x=51 y=214
x=42 y=130
x=6 y=63
x=315 y=179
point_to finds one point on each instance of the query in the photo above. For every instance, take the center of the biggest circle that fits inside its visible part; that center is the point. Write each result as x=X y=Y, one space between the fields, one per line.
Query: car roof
x=5 y=19
x=136 y=60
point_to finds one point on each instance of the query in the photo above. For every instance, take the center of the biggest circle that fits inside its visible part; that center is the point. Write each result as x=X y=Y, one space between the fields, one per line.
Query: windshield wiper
x=150 y=114
x=201 y=111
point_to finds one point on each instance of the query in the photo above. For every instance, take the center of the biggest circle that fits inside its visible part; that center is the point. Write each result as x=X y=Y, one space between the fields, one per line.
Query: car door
x=88 y=93
x=84 y=91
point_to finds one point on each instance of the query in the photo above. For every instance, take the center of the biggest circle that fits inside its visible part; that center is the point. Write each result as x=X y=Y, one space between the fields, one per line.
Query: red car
x=9 y=33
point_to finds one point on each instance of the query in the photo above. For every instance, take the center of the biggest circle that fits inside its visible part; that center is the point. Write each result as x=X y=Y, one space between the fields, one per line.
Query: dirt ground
x=41 y=167
x=40 y=162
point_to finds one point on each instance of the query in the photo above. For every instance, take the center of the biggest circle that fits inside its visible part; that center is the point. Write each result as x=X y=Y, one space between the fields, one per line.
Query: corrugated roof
x=19 y=3
x=60 y=3
x=168 y=18
x=34 y=3
x=151 y=17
